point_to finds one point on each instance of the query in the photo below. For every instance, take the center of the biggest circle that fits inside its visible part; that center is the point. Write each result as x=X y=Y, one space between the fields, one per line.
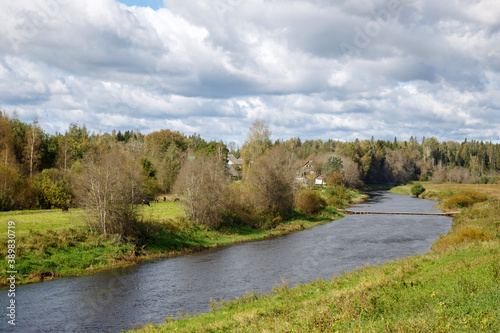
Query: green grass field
x=55 y=219
x=40 y=220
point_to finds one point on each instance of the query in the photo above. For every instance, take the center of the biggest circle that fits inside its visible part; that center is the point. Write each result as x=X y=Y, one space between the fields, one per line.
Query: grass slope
x=51 y=244
x=454 y=288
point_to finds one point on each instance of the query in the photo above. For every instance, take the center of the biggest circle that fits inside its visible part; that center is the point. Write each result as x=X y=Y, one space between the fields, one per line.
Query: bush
x=336 y=202
x=6 y=202
x=340 y=192
x=417 y=189
x=52 y=189
x=309 y=202
x=465 y=199
x=335 y=179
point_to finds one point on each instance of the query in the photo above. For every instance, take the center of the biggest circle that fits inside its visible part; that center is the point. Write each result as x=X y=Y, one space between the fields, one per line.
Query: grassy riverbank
x=51 y=244
x=454 y=288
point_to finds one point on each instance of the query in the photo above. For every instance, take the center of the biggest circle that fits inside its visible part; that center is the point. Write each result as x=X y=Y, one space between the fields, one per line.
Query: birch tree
x=32 y=151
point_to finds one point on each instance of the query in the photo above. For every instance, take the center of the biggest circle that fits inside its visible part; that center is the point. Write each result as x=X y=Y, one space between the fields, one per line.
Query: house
x=234 y=166
x=308 y=169
x=231 y=160
x=320 y=180
x=232 y=172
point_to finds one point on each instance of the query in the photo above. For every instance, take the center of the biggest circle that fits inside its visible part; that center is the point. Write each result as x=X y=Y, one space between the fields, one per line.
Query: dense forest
x=41 y=170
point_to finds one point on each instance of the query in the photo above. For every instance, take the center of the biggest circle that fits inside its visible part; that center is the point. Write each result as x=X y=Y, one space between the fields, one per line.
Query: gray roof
x=232 y=172
x=234 y=160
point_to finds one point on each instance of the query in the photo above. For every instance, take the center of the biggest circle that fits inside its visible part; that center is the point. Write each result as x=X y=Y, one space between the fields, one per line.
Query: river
x=122 y=298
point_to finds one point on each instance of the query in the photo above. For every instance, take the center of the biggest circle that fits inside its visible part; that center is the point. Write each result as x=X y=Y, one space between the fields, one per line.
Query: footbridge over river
x=355 y=212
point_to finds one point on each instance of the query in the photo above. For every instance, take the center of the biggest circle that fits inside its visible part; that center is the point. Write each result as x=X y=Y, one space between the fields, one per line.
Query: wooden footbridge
x=356 y=212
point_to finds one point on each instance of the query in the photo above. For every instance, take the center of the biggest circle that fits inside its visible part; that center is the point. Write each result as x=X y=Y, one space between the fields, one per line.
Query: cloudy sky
x=314 y=69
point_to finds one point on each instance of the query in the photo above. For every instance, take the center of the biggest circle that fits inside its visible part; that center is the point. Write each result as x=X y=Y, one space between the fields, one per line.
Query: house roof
x=232 y=171
x=234 y=160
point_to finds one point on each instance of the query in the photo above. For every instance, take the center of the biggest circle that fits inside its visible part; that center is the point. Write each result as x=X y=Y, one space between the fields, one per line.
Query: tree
x=257 y=143
x=272 y=179
x=162 y=140
x=333 y=164
x=52 y=189
x=351 y=173
x=108 y=186
x=171 y=166
x=417 y=189
x=32 y=152
x=400 y=165
x=335 y=179
x=202 y=184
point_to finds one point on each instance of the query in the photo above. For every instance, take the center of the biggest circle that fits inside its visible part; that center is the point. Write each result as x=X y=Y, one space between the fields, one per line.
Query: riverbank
x=454 y=288
x=52 y=244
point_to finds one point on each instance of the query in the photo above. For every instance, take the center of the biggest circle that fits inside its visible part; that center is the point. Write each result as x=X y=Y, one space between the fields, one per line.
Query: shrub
x=417 y=189
x=465 y=199
x=459 y=201
x=309 y=202
x=335 y=179
x=466 y=235
x=335 y=201
x=340 y=192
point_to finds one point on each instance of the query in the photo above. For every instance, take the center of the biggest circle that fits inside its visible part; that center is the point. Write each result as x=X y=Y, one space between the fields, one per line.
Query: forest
x=78 y=168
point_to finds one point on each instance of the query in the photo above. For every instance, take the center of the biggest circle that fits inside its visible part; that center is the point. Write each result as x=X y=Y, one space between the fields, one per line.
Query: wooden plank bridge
x=356 y=212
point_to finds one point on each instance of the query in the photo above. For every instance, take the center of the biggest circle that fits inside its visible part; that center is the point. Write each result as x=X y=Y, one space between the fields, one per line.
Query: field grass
x=445 y=190
x=454 y=288
x=40 y=220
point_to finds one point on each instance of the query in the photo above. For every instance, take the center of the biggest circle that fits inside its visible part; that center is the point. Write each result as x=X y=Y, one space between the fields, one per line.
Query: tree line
x=116 y=171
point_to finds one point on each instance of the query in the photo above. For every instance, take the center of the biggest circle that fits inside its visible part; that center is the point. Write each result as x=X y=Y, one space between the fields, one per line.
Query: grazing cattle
x=156 y=200
x=145 y=202
x=177 y=200
x=164 y=198
x=65 y=208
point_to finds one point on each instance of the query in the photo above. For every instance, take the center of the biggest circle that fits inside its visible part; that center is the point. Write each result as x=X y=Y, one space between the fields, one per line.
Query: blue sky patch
x=154 y=4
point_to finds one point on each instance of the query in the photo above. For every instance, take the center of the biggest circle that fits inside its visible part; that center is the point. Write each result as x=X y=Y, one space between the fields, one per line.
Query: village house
x=320 y=180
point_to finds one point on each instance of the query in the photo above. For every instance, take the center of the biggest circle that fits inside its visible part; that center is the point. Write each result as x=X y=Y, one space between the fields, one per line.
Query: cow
x=164 y=199
x=145 y=202
x=177 y=200
x=156 y=200
x=65 y=208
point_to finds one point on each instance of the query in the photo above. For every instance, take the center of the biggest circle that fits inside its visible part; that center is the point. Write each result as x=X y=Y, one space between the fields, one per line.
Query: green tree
x=52 y=189
x=333 y=164
x=417 y=189
x=257 y=143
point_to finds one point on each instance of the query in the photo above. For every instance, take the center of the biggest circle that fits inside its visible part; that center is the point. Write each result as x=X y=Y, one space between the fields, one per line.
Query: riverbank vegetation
x=453 y=288
x=52 y=244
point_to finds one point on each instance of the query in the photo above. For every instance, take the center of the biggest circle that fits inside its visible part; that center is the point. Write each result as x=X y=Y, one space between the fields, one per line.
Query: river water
x=123 y=298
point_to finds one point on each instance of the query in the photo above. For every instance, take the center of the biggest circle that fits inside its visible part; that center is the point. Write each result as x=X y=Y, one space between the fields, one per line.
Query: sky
x=313 y=69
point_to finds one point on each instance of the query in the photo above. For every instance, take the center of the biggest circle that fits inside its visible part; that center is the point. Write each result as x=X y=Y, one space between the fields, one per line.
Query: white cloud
x=213 y=67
